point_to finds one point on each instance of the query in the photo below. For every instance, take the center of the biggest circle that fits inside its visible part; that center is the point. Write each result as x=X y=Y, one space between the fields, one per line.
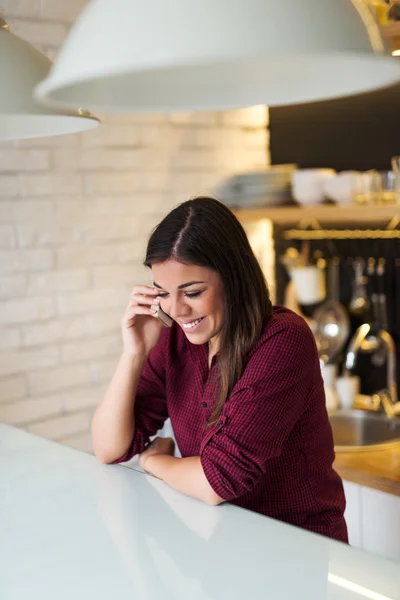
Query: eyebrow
x=180 y=287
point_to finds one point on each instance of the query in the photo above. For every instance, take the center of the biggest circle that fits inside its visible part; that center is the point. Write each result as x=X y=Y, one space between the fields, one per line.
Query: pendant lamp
x=172 y=55
x=22 y=67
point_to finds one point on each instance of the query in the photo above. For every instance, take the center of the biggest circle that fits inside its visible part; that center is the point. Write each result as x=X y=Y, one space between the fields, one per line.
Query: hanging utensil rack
x=310 y=229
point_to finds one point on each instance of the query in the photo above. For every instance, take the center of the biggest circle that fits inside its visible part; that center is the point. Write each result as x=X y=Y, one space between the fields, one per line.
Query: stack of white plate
x=268 y=187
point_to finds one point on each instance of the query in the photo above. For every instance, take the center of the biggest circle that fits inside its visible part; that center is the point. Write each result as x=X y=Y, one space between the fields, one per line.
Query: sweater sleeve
x=150 y=403
x=261 y=412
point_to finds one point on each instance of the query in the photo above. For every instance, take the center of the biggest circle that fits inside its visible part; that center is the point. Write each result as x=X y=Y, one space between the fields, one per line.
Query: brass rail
x=319 y=233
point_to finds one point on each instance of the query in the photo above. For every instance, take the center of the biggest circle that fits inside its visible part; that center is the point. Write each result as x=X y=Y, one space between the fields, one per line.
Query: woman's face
x=193 y=297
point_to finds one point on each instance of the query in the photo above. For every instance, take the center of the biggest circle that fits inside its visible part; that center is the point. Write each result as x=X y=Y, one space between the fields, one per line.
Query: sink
x=362 y=430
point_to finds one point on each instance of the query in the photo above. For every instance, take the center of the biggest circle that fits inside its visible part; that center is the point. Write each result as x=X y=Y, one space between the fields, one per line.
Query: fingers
x=132 y=311
x=144 y=290
x=144 y=301
x=144 y=295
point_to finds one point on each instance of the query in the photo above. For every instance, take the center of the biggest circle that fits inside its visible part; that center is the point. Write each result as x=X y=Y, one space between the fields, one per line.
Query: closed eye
x=187 y=294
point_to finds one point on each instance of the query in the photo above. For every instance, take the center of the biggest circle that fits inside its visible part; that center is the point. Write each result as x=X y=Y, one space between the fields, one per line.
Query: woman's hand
x=140 y=329
x=158 y=446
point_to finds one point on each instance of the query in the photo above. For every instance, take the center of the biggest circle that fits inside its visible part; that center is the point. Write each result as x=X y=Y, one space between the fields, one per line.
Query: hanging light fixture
x=21 y=69
x=140 y=56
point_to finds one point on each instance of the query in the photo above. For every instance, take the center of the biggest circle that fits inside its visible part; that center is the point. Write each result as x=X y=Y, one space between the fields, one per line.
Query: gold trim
x=318 y=233
x=3 y=23
x=342 y=234
x=374 y=32
x=85 y=113
x=393 y=223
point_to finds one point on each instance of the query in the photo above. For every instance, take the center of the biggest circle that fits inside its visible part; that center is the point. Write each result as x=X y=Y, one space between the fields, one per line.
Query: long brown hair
x=204 y=232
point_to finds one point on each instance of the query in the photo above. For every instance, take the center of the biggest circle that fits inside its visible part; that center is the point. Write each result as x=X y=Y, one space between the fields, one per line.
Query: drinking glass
x=396 y=171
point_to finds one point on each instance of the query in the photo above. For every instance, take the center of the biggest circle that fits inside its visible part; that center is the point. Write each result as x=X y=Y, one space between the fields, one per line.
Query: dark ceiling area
x=358 y=132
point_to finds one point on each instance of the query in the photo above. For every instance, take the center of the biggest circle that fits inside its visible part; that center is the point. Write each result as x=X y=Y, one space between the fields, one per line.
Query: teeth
x=190 y=325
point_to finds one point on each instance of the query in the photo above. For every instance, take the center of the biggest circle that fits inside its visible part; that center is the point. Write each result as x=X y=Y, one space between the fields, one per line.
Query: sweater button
x=204 y=404
x=219 y=423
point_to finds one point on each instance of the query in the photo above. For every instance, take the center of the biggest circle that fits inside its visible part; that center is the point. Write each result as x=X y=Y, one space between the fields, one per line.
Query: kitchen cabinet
x=353 y=513
x=380 y=523
x=373 y=520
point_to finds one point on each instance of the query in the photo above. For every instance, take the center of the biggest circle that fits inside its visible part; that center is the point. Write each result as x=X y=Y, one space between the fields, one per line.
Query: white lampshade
x=21 y=69
x=172 y=55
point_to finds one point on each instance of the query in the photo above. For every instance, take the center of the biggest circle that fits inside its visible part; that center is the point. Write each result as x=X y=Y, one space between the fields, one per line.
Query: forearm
x=113 y=423
x=185 y=475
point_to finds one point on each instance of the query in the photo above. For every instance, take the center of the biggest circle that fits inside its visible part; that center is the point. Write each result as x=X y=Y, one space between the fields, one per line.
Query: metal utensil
x=380 y=356
x=291 y=258
x=371 y=343
x=397 y=287
x=359 y=304
x=331 y=319
x=380 y=271
x=371 y=290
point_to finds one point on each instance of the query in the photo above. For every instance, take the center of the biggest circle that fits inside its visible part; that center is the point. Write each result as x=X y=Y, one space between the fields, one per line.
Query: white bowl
x=344 y=187
x=308 y=185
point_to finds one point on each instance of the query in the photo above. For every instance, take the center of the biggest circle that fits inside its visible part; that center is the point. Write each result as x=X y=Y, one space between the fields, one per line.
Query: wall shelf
x=323 y=212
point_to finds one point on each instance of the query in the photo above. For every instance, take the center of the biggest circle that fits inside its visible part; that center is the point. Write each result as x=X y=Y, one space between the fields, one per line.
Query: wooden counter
x=377 y=469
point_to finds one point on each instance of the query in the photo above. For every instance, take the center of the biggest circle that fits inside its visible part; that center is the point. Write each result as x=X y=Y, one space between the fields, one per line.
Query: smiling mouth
x=193 y=324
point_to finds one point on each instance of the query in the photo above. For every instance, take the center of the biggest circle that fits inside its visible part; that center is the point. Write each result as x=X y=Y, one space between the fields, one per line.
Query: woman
x=240 y=380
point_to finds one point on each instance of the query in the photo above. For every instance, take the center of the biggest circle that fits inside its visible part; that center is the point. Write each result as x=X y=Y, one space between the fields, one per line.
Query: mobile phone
x=164 y=318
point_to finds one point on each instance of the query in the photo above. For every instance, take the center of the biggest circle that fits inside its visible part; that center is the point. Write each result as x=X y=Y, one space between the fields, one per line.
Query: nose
x=176 y=308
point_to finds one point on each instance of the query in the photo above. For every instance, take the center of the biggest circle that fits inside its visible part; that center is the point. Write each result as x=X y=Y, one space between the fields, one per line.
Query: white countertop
x=73 y=529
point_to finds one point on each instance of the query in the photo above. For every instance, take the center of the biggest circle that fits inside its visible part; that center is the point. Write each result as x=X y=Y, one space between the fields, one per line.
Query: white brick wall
x=75 y=214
